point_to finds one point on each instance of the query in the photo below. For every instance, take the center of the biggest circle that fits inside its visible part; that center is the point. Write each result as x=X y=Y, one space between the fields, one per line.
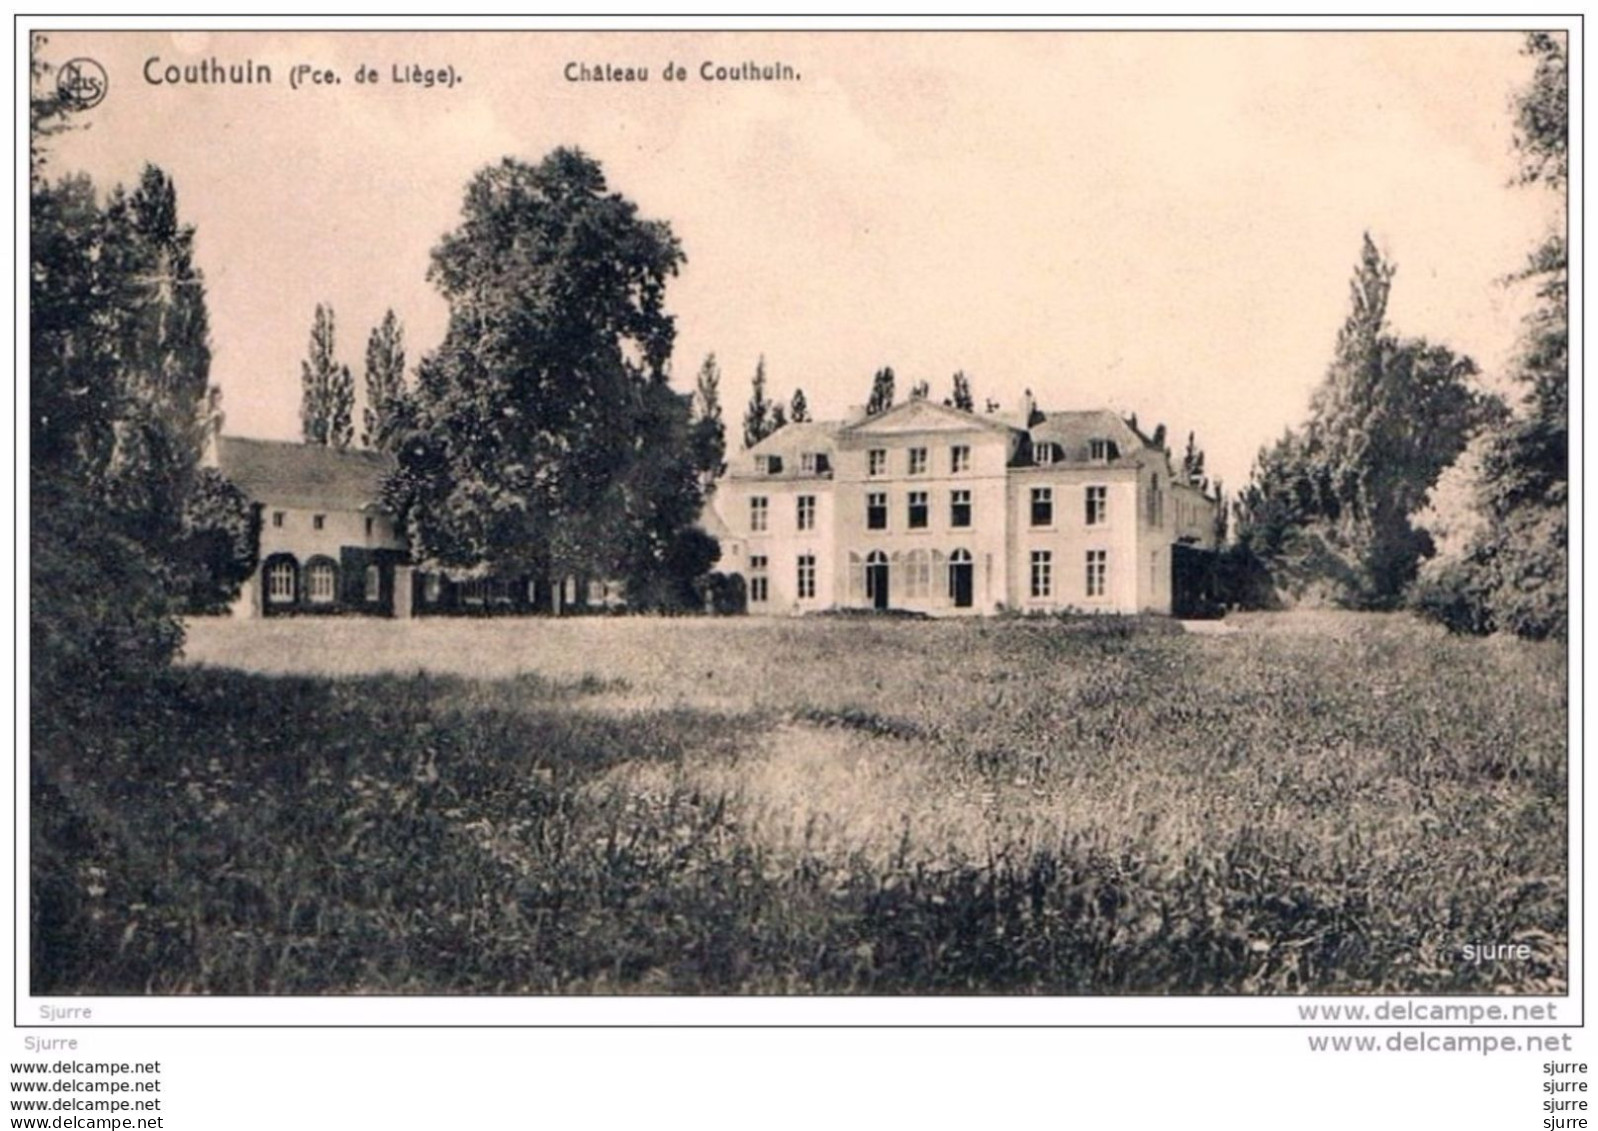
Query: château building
x=928 y=508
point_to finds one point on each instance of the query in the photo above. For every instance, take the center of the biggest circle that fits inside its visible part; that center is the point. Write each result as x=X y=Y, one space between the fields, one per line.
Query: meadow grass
x=1317 y=804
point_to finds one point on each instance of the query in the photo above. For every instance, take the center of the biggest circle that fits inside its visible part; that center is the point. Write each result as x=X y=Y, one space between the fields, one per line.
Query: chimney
x=1029 y=408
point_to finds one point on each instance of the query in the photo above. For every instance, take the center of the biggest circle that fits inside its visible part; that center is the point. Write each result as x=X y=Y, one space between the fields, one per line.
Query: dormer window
x=814 y=463
x=1043 y=454
x=1102 y=451
x=768 y=465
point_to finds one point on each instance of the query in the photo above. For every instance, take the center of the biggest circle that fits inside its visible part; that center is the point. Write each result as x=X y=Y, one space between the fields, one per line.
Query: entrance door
x=960 y=579
x=877 y=579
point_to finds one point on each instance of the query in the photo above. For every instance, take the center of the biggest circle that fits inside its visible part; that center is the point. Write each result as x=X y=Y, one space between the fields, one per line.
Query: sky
x=1162 y=223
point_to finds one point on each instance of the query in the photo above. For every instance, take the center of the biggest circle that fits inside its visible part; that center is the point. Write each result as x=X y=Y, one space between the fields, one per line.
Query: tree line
x=128 y=529
x=1411 y=484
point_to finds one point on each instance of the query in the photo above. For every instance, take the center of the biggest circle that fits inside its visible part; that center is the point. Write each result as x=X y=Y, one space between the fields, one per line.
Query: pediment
x=923 y=416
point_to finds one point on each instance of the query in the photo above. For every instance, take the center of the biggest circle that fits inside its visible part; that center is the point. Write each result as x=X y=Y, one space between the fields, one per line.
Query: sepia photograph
x=1052 y=514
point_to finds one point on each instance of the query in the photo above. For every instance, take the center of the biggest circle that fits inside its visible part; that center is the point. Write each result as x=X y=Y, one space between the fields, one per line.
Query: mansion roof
x=1070 y=437
x=308 y=476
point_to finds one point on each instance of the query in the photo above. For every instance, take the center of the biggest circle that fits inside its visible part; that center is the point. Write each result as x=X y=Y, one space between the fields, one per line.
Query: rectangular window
x=1102 y=451
x=757 y=514
x=1156 y=503
x=768 y=465
x=807 y=512
x=370 y=523
x=959 y=458
x=1043 y=454
x=1098 y=505
x=318 y=521
x=759 y=587
x=918 y=461
x=277 y=519
x=918 y=510
x=877 y=510
x=1043 y=506
x=1042 y=573
x=877 y=461
x=807 y=461
x=1098 y=570
x=807 y=576
x=959 y=508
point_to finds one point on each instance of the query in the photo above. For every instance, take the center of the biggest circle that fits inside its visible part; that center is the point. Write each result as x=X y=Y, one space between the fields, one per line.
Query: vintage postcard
x=1049 y=525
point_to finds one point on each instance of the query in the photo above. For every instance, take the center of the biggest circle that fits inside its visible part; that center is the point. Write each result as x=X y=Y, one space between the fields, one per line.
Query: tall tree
x=384 y=415
x=920 y=391
x=798 y=407
x=757 y=417
x=122 y=407
x=157 y=317
x=1502 y=563
x=882 y=394
x=327 y=391
x=778 y=418
x=960 y=394
x=547 y=439
x=709 y=433
x=1329 y=509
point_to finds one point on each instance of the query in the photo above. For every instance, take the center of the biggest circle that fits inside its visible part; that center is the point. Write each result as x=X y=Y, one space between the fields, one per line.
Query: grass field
x=1307 y=803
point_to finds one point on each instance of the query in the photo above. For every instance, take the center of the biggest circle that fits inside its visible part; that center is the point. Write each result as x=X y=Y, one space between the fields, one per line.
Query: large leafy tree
x=1328 y=512
x=122 y=406
x=383 y=417
x=327 y=391
x=1503 y=565
x=546 y=438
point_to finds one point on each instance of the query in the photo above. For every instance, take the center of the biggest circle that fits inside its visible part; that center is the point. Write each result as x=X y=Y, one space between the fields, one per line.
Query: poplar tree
x=757 y=417
x=327 y=391
x=709 y=433
x=383 y=417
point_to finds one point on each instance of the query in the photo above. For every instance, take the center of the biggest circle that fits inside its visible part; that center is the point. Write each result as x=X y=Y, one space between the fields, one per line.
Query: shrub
x=101 y=613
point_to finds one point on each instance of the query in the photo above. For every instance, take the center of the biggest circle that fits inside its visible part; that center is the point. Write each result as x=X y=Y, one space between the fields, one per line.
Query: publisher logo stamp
x=82 y=83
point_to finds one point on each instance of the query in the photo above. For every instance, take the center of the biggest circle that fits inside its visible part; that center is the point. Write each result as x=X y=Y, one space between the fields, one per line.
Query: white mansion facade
x=929 y=508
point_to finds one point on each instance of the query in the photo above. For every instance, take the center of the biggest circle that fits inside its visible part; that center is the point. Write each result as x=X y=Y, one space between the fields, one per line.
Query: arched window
x=374 y=584
x=877 y=579
x=280 y=578
x=321 y=582
x=961 y=581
